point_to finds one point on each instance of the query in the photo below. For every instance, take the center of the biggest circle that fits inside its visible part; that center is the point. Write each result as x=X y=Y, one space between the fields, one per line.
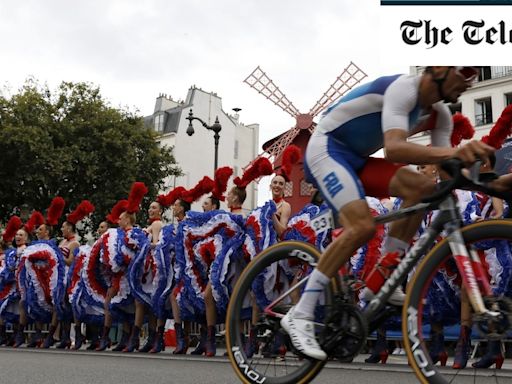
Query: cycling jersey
x=353 y=128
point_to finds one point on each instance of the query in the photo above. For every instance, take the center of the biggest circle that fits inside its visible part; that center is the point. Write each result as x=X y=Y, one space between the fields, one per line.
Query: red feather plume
x=501 y=129
x=462 y=129
x=84 y=209
x=118 y=208
x=171 y=197
x=135 y=197
x=260 y=167
x=163 y=200
x=204 y=186
x=36 y=219
x=291 y=156
x=222 y=176
x=55 y=210
x=12 y=227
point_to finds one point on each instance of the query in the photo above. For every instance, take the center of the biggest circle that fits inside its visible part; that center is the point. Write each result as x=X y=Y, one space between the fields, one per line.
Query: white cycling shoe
x=397 y=297
x=302 y=335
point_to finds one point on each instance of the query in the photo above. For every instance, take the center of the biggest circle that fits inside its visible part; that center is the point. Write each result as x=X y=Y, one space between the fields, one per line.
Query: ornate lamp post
x=216 y=128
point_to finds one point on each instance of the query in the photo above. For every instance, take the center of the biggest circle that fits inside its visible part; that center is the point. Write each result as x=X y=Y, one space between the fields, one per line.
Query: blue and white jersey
x=359 y=119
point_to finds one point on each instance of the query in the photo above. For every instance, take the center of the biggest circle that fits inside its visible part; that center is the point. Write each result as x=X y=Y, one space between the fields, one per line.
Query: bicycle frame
x=468 y=263
x=474 y=278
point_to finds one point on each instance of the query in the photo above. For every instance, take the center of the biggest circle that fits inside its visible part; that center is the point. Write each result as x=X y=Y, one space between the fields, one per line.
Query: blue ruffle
x=9 y=294
x=136 y=272
x=37 y=309
x=229 y=258
x=259 y=229
x=224 y=232
x=164 y=256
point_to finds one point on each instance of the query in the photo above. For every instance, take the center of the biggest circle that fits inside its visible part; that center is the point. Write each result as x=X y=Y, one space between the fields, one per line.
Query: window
x=306 y=189
x=485 y=74
x=454 y=108
x=288 y=189
x=508 y=98
x=159 y=122
x=483 y=111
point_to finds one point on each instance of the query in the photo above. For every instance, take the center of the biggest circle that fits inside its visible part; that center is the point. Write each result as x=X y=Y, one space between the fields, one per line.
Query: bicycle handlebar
x=476 y=182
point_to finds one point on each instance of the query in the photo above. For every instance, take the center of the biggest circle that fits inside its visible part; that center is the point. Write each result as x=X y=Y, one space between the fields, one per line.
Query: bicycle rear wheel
x=269 y=276
x=422 y=300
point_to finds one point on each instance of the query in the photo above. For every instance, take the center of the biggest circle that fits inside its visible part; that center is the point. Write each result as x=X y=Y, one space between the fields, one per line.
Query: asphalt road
x=26 y=366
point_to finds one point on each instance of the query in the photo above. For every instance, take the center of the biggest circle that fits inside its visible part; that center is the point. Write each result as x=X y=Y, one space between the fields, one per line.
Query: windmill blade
x=281 y=143
x=276 y=149
x=259 y=80
x=350 y=76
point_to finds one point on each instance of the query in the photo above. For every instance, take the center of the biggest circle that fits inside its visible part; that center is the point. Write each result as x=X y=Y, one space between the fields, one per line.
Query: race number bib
x=323 y=222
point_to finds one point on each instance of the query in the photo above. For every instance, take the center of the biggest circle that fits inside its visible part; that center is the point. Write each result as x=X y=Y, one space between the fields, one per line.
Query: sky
x=135 y=49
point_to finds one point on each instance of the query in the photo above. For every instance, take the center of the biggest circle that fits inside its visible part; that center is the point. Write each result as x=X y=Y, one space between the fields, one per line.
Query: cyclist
x=380 y=114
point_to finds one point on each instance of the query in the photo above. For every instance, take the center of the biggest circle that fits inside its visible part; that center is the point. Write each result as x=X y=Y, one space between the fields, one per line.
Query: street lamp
x=216 y=128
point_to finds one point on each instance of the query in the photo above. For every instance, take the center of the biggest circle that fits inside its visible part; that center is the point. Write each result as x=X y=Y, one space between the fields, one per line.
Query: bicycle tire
x=306 y=368
x=412 y=315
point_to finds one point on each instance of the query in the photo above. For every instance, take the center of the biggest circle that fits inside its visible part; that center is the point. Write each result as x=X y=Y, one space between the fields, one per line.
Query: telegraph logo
x=446 y=2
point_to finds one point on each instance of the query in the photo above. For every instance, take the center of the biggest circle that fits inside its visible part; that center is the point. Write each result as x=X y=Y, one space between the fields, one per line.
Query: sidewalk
x=394 y=363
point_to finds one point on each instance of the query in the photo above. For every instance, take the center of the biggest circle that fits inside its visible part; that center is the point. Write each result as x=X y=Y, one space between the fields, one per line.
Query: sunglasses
x=467 y=73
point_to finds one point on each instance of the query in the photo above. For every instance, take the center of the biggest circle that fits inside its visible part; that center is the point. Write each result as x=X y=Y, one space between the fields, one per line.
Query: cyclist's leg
x=382 y=178
x=330 y=166
x=411 y=186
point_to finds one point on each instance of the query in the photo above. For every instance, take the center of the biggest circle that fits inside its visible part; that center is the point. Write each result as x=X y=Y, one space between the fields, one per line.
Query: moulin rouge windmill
x=298 y=191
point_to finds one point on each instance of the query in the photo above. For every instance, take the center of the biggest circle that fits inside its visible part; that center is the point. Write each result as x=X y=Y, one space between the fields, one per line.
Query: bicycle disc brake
x=345 y=332
x=495 y=327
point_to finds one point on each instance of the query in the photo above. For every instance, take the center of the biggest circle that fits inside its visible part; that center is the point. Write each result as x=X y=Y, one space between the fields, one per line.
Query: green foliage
x=72 y=143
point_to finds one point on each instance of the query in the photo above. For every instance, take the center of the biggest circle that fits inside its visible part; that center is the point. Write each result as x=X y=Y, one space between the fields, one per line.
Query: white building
x=483 y=102
x=238 y=144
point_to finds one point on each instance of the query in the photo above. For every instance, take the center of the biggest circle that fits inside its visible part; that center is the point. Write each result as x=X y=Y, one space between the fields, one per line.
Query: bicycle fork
x=474 y=277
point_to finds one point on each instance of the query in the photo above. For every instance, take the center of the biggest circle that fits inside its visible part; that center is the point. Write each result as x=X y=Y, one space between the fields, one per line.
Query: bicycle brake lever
x=474 y=172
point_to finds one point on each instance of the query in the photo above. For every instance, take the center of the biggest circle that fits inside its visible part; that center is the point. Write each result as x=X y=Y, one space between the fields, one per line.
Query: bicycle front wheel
x=433 y=299
x=267 y=286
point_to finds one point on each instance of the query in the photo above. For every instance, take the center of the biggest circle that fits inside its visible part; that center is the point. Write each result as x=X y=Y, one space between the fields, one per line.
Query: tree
x=72 y=143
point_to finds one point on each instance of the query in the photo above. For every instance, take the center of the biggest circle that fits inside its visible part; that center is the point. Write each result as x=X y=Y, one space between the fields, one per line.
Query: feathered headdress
x=137 y=193
x=132 y=205
x=36 y=219
x=501 y=129
x=12 y=227
x=117 y=209
x=462 y=129
x=222 y=176
x=291 y=156
x=260 y=167
x=204 y=186
x=84 y=209
x=55 y=211
x=171 y=197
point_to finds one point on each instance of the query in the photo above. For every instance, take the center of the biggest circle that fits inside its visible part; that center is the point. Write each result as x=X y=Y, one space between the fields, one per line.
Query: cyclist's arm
x=400 y=99
x=398 y=150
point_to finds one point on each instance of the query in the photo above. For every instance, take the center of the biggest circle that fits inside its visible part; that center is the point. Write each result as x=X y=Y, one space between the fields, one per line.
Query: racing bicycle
x=342 y=325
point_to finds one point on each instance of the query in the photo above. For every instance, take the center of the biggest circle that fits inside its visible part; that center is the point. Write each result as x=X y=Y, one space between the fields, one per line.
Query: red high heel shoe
x=437 y=351
x=380 y=357
x=493 y=356
x=462 y=349
x=64 y=344
x=182 y=341
x=211 y=345
x=380 y=351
